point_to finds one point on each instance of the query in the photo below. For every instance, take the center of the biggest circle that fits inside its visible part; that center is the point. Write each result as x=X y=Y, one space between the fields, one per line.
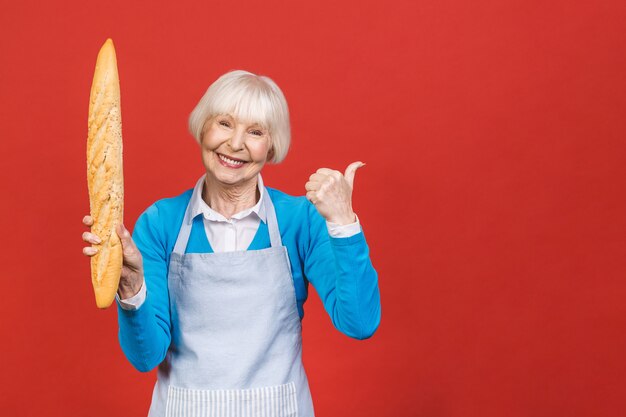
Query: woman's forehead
x=243 y=120
x=244 y=105
x=252 y=118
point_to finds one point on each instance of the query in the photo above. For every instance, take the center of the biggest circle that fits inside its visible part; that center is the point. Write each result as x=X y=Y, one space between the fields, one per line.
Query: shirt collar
x=199 y=206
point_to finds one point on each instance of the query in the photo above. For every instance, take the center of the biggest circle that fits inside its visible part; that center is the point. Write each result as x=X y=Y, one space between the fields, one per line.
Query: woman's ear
x=270 y=154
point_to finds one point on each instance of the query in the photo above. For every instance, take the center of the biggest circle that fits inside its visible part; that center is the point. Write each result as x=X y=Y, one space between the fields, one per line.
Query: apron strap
x=272 y=226
x=272 y=222
x=185 y=231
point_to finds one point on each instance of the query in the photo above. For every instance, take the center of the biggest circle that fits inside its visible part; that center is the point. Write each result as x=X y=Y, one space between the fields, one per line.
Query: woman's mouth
x=230 y=162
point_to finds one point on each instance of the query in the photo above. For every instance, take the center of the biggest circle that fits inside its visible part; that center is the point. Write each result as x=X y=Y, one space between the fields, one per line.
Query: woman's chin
x=231 y=177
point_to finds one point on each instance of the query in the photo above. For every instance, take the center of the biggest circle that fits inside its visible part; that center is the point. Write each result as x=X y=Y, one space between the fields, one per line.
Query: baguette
x=104 y=174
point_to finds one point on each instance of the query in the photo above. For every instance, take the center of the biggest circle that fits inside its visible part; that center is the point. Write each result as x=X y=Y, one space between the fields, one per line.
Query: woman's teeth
x=230 y=161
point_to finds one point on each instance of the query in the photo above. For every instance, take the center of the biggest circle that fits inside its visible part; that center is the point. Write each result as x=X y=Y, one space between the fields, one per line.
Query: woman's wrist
x=343 y=220
x=127 y=290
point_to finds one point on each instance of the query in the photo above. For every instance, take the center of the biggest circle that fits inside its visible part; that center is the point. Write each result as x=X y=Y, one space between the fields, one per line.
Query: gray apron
x=236 y=346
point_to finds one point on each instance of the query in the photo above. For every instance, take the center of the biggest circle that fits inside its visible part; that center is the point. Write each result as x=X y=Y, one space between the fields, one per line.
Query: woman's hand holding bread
x=131 y=277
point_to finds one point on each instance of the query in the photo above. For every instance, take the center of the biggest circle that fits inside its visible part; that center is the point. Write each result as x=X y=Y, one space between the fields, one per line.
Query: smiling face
x=234 y=151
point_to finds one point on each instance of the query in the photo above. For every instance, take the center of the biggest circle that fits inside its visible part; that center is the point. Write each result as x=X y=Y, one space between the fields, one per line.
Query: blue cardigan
x=339 y=268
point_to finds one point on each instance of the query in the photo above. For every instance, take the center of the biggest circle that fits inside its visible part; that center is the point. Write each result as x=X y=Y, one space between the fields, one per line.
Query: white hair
x=248 y=97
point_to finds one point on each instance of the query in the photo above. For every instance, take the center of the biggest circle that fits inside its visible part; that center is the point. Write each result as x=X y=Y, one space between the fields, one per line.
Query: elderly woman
x=215 y=279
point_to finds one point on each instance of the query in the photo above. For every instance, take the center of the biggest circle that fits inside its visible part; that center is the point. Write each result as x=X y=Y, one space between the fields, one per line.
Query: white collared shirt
x=227 y=235
x=236 y=233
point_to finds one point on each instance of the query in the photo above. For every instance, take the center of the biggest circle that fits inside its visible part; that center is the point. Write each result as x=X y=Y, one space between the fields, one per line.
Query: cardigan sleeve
x=144 y=333
x=342 y=273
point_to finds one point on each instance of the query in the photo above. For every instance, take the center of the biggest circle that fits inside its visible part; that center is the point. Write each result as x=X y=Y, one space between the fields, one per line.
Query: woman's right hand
x=131 y=277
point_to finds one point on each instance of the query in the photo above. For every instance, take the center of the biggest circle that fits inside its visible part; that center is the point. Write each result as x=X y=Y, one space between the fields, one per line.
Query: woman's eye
x=256 y=132
x=224 y=123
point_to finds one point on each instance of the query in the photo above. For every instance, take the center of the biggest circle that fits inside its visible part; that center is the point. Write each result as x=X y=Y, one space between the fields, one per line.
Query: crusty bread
x=104 y=174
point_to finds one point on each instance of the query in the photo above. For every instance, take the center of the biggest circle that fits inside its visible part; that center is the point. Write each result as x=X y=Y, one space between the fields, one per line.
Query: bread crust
x=105 y=177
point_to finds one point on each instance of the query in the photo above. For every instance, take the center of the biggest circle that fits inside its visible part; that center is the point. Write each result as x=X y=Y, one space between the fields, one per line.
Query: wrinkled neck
x=228 y=200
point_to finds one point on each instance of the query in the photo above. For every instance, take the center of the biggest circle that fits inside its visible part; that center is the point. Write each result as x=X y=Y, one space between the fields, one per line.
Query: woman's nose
x=237 y=140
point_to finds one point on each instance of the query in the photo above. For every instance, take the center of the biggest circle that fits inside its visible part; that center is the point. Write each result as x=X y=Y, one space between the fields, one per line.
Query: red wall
x=493 y=197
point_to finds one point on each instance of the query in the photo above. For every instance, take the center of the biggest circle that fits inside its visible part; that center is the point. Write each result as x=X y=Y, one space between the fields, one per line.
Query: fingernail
x=97 y=240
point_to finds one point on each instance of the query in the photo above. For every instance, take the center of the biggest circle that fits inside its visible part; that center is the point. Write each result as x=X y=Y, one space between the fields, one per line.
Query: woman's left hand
x=331 y=193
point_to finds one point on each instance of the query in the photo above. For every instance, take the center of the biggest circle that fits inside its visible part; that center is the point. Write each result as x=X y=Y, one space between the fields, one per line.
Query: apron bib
x=236 y=346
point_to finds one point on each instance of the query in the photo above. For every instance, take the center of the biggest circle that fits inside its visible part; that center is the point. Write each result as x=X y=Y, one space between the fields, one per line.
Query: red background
x=493 y=196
